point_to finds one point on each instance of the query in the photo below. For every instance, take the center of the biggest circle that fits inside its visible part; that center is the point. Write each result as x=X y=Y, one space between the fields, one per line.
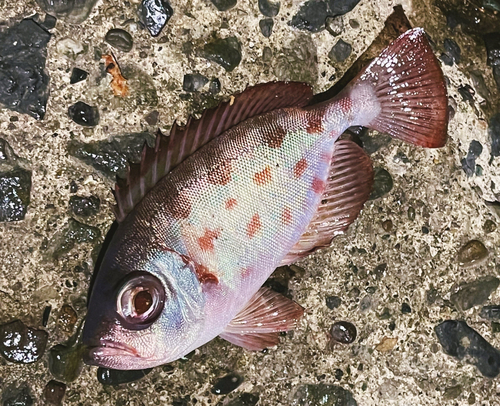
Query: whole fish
x=255 y=183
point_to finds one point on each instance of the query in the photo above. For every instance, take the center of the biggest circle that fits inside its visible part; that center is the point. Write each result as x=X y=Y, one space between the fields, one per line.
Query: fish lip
x=108 y=348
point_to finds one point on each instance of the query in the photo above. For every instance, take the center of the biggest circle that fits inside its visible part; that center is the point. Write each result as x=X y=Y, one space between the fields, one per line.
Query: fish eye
x=140 y=300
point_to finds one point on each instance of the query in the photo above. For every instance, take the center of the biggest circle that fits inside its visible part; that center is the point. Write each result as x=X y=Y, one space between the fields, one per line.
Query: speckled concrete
x=452 y=206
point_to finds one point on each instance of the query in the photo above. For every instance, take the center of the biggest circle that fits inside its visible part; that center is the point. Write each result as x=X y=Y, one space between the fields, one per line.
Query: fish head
x=144 y=310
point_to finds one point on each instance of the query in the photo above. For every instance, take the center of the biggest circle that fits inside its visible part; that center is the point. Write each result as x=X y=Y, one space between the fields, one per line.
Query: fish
x=259 y=181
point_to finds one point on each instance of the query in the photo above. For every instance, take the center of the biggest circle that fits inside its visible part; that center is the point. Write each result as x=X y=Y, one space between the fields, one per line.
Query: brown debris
x=118 y=83
x=387 y=344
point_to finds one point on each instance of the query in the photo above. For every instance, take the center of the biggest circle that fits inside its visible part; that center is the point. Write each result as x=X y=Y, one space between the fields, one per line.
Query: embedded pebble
x=46 y=315
x=193 y=82
x=297 y=62
x=474 y=293
x=227 y=384
x=494 y=134
x=15 y=188
x=469 y=162
x=464 y=343
x=114 y=377
x=83 y=114
x=343 y=332
x=225 y=52
x=452 y=50
x=24 y=82
x=387 y=225
x=17 y=396
x=332 y=302
x=382 y=183
x=492 y=42
x=77 y=75
x=75 y=233
x=119 y=39
x=54 y=392
x=405 y=308
x=387 y=344
x=152 y=118
x=72 y=11
x=269 y=8
x=67 y=319
x=155 y=15
x=472 y=253
x=266 y=27
x=340 y=51
x=65 y=360
x=312 y=14
x=321 y=394
x=467 y=93
x=452 y=392
x=224 y=5
x=489 y=226
x=244 y=399
x=491 y=312
x=334 y=25
x=214 y=87
x=84 y=206
x=411 y=213
x=22 y=344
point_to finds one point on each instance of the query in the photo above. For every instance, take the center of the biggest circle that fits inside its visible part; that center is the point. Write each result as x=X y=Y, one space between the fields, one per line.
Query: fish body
x=187 y=261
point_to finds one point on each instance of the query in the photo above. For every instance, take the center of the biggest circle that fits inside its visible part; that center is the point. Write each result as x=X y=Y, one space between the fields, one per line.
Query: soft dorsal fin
x=257 y=326
x=183 y=141
x=348 y=188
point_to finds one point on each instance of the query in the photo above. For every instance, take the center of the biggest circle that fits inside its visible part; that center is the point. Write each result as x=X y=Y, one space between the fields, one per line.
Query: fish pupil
x=142 y=301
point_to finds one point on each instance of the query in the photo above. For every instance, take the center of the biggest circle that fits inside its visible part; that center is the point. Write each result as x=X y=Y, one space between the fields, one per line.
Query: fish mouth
x=109 y=349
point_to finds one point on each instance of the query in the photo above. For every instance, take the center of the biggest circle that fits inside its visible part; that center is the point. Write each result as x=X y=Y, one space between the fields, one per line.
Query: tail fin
x=408 y=84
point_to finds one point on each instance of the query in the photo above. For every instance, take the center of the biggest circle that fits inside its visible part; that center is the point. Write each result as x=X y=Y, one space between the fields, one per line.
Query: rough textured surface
x=430 y=192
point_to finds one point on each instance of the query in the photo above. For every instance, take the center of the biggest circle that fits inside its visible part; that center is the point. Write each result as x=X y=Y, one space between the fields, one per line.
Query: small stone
x=494 y=133
x=214 y=87
x=269 y=8
x=464 y=343
x=474 y=293
x=155 y=15
x=77 y=75
x=193 y=82
x=49 y=22
x=343 y=332
x=83 y=114
x=405 y=308
x=226 y=52
x=321 y=394
x=452 y=49
x=244 y=399
x=340 y=51
x=227 y=384
x=84 y=206
x=67 y=319
x=338 y=374
x=311 y=16
x=332 y=302
x=489 y=226
x=22 y=344
x=298 y=61
x=71 y=11
x=73 y=187
x=385 y=315
x=387 y=344
x=469 y=162
x=490 y=312
x=46 y=315
x=75 y=233
x=365 y=304
x=224 y=5
x=334 y=25
x=467 y=93
x=471 y=399
x=17 y=396
x=387 y=225
x=411 y=213
x=116 y=377
x=452 y=392
x=266 y=27
x=119 y=39
x=492 y=42
x=65 y=360
x=15 y=188
x=152 y=118
x=354 y=24
x=54 y=392
x=472 y=253
x=382 y=183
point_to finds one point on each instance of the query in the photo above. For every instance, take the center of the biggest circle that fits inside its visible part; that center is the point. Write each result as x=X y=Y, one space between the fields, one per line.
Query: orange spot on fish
x=318 y=185
x=204 y=275
x=263 y=177
x=286 y=217
x=206 y=241
x=254 y=226
x=230 y=203
x=314 y=124
x=299 y=168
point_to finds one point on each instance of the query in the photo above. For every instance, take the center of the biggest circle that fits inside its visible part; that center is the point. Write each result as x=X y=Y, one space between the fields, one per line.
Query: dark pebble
x=340 y=51
x=472 y=253
x=492 y=42
x=227 y=384
x=382 y=183
x=116 y=377
x=84 y=206
x=312 y=14
x=452 y=392
x=385 y=315
x=411 y=213
x=49 y=22
x=193 y=82
x=343 y=332
x=489 y=226
x=54 y=392
x=338 y=374
x=214 y=87
x=83 y=114
x=46 y=315
x=496 y=75
x=269 y=8
x=332 y=302
x=334 y=25
x=494 y=133
x=72 y=11
x=119 y=39
x=75 y=233
x=464 y=343
x=322 y=394
x=17 y=396
x=22 y=344
x=111 y=157
x=467 y=93
x=24 y=82
x=155 y=15
x=244 y=399
x=67 y=319
x=15 y=188
x=365 y=304
x=405 y=308
x=474 y=293
x=65 y=361
x=354 y=24
x=224 y=5
x=490 y=312
x=77 y=75
x=452 y=49
x=152 y=118
x=226 y=52
x=447 y=59
x=387 y=225
x=266 y=27
x=469 y=162
x=73 y=187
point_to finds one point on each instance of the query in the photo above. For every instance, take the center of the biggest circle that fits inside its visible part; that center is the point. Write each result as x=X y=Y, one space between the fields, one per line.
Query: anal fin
x=348 y=188
x=257 y=326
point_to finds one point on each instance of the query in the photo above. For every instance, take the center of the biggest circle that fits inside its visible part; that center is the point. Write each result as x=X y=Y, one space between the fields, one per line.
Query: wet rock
x=227 y=384
x=75 y=233
x=71 y=11
x=67 y=319
x=65 y=360
x=214 y=87
x=226 y=52
x=269 y=8
x=83 y=114
x=244 y=399
x=266 y=27
x=77 y=75
x=490 y=312
x=494 y=133
x=467 y=93
x=152 y=118
x=224 y=5
x=119 y=39
x=472 y=253
x=332 y=302
x=321 y=394
x=464 y=343
x=115 y=377
x=343 y=332
x=17 y=396
x=111 y=157
x=46 y=315
x=15 y=187
x=474 y=293
x=22 y=344
x=193 y=82
x=155 y=15
x=469 y=162
x=382 y=183
x=84 y=206
x=24 y=82
x=312 y=14
x=340 y=51
x=298 y=61
x=405 y=308
x=492 y=42
x=54 y=392
x=334 y=25
x=489 y=226
x=452 y=50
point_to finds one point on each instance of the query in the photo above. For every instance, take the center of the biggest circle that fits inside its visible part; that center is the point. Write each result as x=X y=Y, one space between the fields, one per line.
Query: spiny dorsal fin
x=183 y=141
